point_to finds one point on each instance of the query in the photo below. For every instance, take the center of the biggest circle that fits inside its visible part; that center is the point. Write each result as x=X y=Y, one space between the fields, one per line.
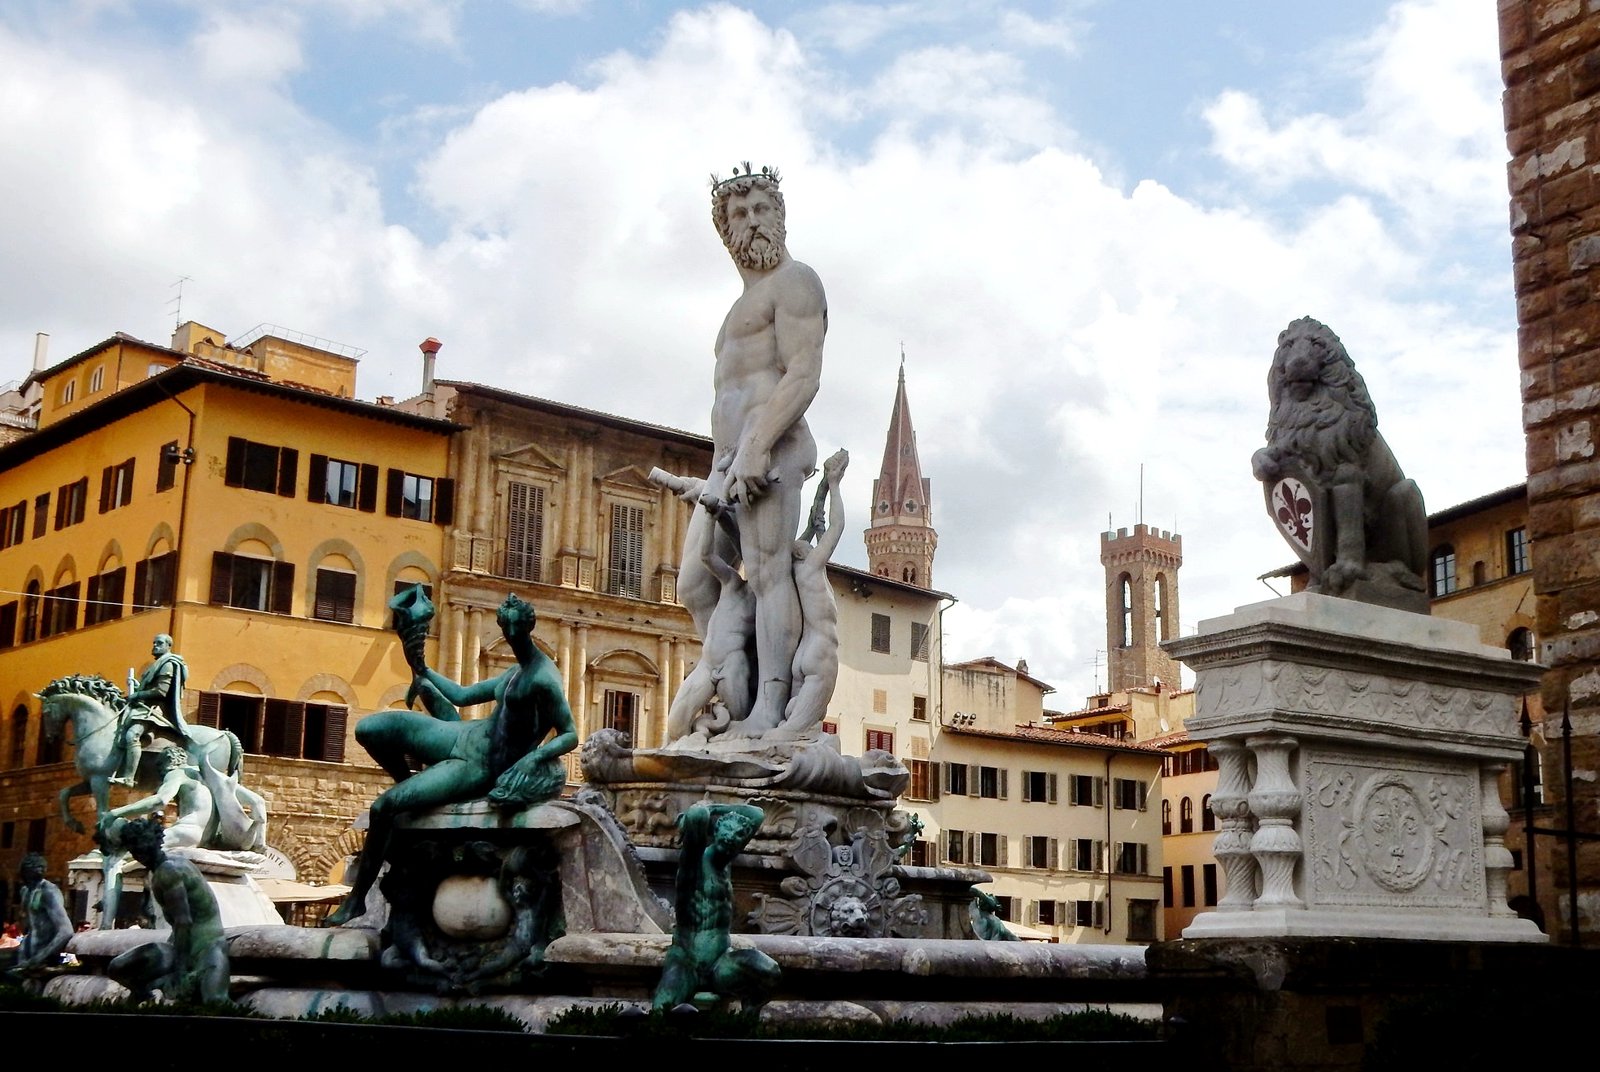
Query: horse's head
x=66 y=698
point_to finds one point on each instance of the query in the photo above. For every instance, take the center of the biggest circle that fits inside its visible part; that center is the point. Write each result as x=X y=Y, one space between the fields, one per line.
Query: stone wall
x=1550 y=53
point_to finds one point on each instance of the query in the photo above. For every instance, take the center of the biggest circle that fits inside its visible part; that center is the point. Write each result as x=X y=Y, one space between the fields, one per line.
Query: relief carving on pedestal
x=1378 y=836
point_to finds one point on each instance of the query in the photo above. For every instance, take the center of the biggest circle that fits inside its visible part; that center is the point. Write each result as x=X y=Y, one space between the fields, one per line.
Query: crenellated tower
x=1141 y=605
x=901 y=539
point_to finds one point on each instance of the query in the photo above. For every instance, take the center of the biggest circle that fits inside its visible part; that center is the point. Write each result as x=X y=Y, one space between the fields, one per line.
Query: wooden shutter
x=1051 y=780
x=1144 y=795
x=288 y=463
x=282 y=587
x=280 y=729
x=233 y=471
x=627 y=550
x=1005 y=775
x=935 y=770
x=1033 y=912
x=333 y=725
x=107 y=482
x=127 y=483
x=1099 y=792
x=444 y=501
x=974 y=779
x=62 y=499
x=221 y=577
x=524 y=530
x=1027 y=787
x=1052 y=854
x=1100 y=856
x=367 y=489
x=317 y=479
x=112 y=587
x=1003 y=852
x=209 y=711
x=395 y=493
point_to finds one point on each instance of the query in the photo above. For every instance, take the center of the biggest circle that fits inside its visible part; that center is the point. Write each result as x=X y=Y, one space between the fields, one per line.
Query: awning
x=288 y=891
x=1029 y=934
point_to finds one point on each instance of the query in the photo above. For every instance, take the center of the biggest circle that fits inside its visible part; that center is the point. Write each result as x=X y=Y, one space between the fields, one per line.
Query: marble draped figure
x=761 y=635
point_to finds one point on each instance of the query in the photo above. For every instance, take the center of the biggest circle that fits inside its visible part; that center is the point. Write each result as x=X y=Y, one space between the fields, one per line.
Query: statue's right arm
x=461 y=695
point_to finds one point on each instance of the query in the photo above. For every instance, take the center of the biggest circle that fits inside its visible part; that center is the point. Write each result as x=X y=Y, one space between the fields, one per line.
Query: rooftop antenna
x=177 y=302
x=1095 y=662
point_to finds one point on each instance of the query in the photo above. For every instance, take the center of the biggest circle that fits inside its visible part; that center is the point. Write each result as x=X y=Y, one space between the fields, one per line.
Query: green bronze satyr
x=513 y=756
x=700 y=960
x=193 y=965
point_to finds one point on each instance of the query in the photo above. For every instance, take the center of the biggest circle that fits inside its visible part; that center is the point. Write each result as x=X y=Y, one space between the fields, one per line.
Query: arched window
x=1166 y=817
x=909 y=574
x=1186 y=816
x=19 y=737
x=1126 y=584
x=30 y=612
x=97 y=378
x=1480 y=573
x=1521 y=644
x=1443 y=570
x=1208 y=818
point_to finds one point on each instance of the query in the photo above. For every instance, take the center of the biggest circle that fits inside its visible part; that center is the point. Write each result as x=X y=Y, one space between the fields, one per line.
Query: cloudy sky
x=1083 y=222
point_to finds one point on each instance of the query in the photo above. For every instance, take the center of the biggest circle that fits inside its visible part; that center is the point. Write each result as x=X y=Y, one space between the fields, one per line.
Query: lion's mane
x=1337 y=423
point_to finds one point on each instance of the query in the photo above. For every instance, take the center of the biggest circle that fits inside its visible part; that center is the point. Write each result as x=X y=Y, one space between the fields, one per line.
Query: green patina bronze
x=701 y=965
x=513 y=756
x=192 y=966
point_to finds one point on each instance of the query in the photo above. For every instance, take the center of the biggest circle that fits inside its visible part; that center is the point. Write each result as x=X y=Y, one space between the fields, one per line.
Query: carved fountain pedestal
x=1359 y=752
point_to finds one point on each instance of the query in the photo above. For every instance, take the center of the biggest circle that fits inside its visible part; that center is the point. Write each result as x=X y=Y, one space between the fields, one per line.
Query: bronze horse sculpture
x=93 y=706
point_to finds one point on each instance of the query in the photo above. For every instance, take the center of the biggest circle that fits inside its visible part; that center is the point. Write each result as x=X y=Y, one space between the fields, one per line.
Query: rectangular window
x=105 y=596
x=8 y=624
x=1045 y=912
x=1443 y=569
x=116 y=486
x=524 y=530
x=1141 y=920
x=14 y=524
x=336 y=596
x=260 y=467
x=421 y=498
x=274 y=727
x=1129 y=794
x=338 y=482
x=167 y=469
x=153 y=581
x=19 y=742
x=1088 y=913
x=830 y=728
x=252 y=583
x=70 y=501
x=991 y=850
x=1038 y=787
x=955 y=846
x=1086 y=789
x=1086 y=854
x=919 y=789
x=626 y=576
x=1517 y=558
x=883 y=739
x=880 y=633
x=36 y=834
x=919 y=709
x=955 y=779
x=619 y=710
x=1166 y=887
x=1186 y=878
x=8 y=834
x=992 y=782
x=922 y=854
x=1005 y=907
x=41 y=514
x=919 y=641
x=60 y=610
x=1132 y=858
x=1041 y=852
x=1208 y=883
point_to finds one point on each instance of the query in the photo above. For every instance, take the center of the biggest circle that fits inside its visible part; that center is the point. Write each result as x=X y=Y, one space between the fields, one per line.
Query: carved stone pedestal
x=230 y=875
x=1359 y=749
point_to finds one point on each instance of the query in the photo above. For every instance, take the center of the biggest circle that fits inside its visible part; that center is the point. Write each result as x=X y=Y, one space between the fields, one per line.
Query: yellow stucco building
x=237 y=498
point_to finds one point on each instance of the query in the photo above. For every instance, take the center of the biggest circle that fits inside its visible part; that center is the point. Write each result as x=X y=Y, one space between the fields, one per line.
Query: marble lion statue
x=1323 y=429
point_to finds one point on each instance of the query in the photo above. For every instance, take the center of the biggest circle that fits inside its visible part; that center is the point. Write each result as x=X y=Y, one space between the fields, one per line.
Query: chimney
x=430 y=350
x=41 y=350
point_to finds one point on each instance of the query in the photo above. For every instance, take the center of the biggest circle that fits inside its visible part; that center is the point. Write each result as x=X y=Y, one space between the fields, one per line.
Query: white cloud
x=1059 y=331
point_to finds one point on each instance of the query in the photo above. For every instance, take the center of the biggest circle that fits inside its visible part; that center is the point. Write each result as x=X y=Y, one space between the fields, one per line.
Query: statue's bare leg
x=767 y=530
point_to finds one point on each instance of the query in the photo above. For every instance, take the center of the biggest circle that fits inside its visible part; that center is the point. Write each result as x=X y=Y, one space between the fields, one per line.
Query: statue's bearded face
x=755 y=231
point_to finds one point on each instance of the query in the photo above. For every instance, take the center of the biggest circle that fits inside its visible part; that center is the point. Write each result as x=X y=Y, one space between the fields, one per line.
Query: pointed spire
x=901 y=540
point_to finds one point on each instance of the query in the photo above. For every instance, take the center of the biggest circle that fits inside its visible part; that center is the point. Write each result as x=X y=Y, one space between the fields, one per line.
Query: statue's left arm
x=799 y=324
x=528 y=780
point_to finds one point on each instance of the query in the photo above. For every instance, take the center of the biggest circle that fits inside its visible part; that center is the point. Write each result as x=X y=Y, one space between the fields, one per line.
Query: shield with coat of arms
x=1301 y=512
